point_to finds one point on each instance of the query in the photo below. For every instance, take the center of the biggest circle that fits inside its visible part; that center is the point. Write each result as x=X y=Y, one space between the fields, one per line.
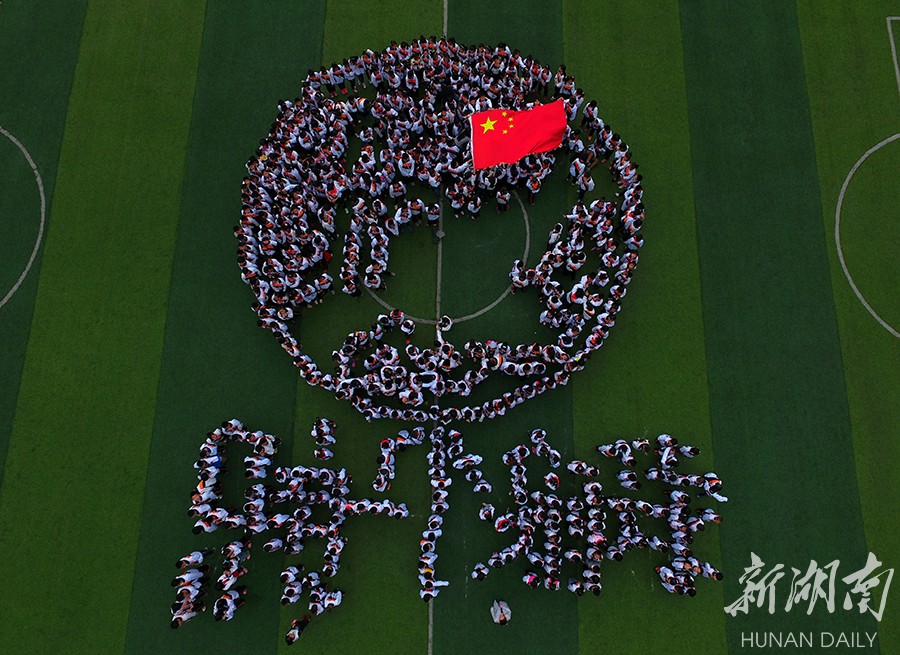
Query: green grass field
x=132 y=334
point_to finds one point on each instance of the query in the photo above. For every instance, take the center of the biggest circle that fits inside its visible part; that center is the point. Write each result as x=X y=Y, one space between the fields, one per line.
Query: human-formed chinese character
x=286 y=509
x=556 y=531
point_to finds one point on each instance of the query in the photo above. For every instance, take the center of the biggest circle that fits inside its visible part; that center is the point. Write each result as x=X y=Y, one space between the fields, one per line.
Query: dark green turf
x=777 y=396
x=532 y=27
x=216 y=362
x=650 y=376
x=40 y=63
x=89 y=381
x=19 y=214
x=382 y=611
x=478 y=255
x=352 y=26
x=853 y=101
x=545 y=621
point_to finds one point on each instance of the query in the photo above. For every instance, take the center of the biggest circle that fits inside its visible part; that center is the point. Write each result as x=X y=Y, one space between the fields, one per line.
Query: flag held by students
x=504 y=136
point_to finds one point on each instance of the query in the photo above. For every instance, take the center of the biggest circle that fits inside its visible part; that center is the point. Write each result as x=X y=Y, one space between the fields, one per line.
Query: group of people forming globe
x=414 y=131
x=371 y=148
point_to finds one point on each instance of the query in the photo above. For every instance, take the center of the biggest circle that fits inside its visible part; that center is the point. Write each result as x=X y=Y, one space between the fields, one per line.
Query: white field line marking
x=467 y=576
x=40 y=236
x=837 y=233
x=437 y=295
x=503 y=295
x=430 y=625
x=440 y=262
x=483 y=310
x=890 y=28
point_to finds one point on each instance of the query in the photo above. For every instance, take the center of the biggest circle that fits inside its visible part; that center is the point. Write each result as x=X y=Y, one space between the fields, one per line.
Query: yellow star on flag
x=488 y=124
x=544 y=128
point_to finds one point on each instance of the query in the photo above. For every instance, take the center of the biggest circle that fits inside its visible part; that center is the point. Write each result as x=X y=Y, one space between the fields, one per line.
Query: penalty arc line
x=837 y=233
x=40 y=236
x=837 y=212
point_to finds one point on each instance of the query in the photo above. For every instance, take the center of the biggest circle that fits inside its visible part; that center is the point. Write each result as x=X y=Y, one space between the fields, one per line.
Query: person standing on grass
x=500 y=612
x=503 y=197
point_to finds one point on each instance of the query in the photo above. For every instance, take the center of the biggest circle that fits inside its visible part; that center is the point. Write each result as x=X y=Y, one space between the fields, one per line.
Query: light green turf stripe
x=543 y=621
x=651 y=375
x=230 y=367
x=382 y=609
x=777 y=394
x=78 y=453
x=853 y=103
x=352 y=26
x=381 y=612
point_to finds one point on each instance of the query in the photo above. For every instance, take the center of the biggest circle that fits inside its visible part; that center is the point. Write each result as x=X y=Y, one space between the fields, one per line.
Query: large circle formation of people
x=415 y=136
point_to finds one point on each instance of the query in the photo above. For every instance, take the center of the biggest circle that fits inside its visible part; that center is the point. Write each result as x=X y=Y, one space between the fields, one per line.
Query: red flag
x=503 y=136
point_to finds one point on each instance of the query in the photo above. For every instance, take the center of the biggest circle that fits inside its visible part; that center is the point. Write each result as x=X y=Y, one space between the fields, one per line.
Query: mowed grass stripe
x=20 y=212
x=853 y=98
x=543 y=621
x=534 y=28
x=650 y=377
x=381 y=611
x=779 y=408
x=90 y=376
x=216 y=362
x=353 y=26
x=42 y=41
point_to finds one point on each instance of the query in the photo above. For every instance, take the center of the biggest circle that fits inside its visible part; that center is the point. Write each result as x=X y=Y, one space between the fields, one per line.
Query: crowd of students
x=413 y=129
x=414 y=132
x=554 y=530
x=301 y=489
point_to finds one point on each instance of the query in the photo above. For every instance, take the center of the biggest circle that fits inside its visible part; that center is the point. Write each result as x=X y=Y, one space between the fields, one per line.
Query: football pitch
x=762 y=325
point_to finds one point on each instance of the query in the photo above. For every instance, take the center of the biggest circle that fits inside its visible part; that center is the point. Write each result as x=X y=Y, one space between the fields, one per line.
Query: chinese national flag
x=503 y=136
